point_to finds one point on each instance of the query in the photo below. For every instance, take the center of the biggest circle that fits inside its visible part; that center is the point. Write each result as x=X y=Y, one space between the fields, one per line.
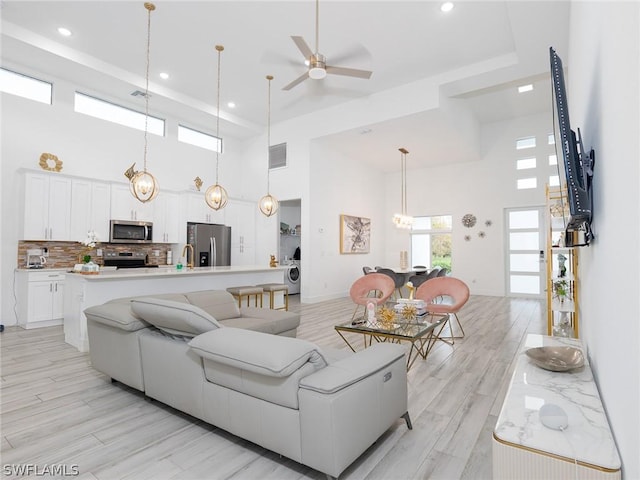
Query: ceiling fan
x=317 y=62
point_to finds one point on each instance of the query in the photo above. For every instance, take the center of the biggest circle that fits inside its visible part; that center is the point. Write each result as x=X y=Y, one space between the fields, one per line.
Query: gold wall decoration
x=51 y=163
x=198 y=182
x=130 y=172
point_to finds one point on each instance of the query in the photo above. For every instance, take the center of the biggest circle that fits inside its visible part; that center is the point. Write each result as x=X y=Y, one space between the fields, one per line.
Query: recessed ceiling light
x=525 y=88
x=65 y=32
x=231 y=105
x=164 y=75
x=446 y=7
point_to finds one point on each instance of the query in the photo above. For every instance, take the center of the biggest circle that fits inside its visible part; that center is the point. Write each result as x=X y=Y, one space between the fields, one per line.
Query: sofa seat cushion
x=116 y=314
x=264 y=321
x=269 y=355
x=175 y=318
x=218 y=303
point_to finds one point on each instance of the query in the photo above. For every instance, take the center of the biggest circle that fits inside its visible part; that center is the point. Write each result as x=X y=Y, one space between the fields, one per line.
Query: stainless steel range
x=117 y=259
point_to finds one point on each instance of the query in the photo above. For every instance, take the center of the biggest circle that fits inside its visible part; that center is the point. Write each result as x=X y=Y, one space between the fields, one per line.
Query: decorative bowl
x=556 y=359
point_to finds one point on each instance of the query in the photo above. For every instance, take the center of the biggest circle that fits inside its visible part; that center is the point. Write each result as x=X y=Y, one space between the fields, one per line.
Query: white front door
x=525 y=252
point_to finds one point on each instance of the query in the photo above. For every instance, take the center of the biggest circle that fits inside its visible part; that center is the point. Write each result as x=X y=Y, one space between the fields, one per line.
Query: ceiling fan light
x=317 y=73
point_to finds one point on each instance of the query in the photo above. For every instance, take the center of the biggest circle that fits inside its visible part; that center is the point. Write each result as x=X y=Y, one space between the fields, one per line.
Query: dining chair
x=455 y=294
x=367 y=270
x=421 y=270
x=443 y=272
x=398 y=280
x=380 y=285
x=434 y=273
x=418 y=279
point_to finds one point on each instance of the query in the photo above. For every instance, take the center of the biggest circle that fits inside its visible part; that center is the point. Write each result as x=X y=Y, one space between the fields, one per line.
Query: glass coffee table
x=421 y=333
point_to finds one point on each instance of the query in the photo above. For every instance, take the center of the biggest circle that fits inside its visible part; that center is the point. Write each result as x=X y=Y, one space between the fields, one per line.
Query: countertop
x=587 y=438
x=171 y=271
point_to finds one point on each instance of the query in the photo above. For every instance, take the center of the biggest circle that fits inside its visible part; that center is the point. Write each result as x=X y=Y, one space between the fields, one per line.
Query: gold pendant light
x=216 y=196
x=143 y=185
x=268 y=204
x=403 y=220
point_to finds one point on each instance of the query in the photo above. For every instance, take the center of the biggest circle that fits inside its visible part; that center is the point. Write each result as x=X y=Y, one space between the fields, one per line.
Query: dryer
x=292 y=277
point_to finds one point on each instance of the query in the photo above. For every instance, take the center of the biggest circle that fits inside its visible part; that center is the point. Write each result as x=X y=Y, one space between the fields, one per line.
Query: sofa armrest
x=352 y=369
x=345 y=407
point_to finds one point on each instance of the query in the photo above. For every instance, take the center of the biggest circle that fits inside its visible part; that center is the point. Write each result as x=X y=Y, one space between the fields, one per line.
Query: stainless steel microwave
x=126 y=231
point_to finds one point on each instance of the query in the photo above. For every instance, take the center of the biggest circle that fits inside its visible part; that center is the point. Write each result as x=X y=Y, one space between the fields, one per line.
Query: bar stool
x=271 y=289
x=247 y=292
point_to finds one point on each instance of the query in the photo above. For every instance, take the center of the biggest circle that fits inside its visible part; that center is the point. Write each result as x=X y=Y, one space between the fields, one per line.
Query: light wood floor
x=57 y=410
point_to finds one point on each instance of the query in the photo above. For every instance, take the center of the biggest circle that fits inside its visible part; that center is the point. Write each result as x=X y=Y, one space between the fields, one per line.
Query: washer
x=292 y=277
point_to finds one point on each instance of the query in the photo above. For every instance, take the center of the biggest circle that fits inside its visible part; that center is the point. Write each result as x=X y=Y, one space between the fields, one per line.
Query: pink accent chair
x=444 y=295
x=382 y=285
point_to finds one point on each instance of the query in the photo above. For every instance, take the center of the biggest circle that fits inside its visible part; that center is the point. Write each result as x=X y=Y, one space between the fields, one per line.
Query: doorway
x=525 y=262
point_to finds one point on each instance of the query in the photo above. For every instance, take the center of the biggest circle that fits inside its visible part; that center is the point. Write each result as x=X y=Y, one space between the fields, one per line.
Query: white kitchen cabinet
x=40 y=298
x=47 y=207
x=197 y=209
x=124 y=206
x=90 y=209
x=168 y=224
x=241 y=217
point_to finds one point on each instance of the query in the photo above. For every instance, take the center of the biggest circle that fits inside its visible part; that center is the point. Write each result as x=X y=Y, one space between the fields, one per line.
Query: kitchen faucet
x=188 y=246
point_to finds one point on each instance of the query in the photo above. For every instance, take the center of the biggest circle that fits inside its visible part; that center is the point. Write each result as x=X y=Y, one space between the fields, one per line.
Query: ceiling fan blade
x=298 y=80
x=349 y=72
x=302 y=46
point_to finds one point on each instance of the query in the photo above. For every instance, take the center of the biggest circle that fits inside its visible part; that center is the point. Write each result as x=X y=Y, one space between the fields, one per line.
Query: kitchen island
x=84 y=291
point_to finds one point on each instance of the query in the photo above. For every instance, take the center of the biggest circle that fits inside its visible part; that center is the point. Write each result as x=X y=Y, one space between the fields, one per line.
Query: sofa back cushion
x=175 y=318
x=269 y=367
x=220 y=304
x=262 y=353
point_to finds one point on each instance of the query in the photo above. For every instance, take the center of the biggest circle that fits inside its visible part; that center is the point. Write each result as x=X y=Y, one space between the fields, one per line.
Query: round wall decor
x=469 y=220
x=50 y=162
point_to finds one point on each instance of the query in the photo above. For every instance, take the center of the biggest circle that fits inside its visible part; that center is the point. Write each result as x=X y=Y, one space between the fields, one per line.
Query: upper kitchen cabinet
x=168 y=224
x=47 y=207
x=197 y=209
x=124 y=206
x=90 y=209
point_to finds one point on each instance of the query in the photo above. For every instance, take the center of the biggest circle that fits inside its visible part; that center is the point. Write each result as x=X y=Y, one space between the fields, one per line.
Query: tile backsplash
x=67 y=254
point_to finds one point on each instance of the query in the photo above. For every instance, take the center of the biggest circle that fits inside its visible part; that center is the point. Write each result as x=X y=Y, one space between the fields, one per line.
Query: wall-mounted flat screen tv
x=578 y=165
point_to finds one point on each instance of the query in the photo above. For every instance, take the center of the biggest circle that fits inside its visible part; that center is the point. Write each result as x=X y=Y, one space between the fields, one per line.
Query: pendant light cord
x=269 y=77
x=317 y=26
x=219 y=48
x=150 y=7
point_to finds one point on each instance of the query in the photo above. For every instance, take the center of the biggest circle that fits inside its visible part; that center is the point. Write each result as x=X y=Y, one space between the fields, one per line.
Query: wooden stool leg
x=286 y=300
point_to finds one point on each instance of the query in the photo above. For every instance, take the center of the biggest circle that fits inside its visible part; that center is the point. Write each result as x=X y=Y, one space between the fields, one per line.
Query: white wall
x=604 y=101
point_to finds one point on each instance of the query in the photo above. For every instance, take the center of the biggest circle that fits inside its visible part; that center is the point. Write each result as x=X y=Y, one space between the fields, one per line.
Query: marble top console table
x=523 y=448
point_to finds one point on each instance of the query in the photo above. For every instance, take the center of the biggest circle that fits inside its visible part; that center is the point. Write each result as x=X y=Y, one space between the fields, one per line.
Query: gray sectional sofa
x=245 y=372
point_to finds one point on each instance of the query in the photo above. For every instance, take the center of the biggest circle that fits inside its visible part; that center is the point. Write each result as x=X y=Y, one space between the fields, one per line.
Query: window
x=526 y=163
x=553 y=160
x=199 y=139
x=431 y=241
x=551 y=139
x=554 y=181
x=115 y=113
x=24 y=86
x=526 y=183
x=529 y=142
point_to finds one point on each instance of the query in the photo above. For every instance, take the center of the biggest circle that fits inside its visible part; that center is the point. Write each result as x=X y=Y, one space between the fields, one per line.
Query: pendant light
x=143 y=185
x=268 y=204
x=216 y=196
x=403 y=220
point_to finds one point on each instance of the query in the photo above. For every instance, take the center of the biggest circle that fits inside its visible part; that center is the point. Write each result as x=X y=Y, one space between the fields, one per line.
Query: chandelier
x=143 y=185
x=216 y=195
x=403 y=220
x=268 y=204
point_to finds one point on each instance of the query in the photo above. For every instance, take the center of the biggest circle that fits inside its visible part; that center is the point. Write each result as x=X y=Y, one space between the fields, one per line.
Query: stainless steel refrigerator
x=211 y=244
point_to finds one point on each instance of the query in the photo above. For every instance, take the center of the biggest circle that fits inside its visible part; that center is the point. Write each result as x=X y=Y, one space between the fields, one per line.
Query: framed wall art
x=355 y=234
